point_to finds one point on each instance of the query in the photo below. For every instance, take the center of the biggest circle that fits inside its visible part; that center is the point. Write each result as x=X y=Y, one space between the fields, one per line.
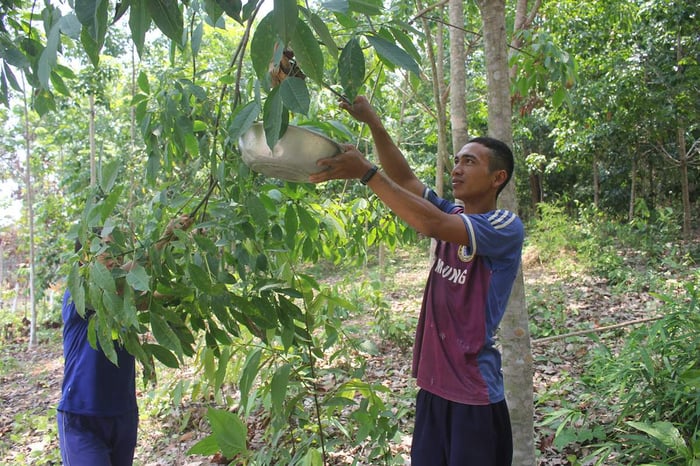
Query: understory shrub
x=652 y=387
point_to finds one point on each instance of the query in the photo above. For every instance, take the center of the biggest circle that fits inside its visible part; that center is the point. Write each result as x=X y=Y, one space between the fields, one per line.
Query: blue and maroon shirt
x=464 y=300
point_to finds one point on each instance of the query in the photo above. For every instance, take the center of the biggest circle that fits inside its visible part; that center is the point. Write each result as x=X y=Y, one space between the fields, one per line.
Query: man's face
x=471 y=175
x=105 y=256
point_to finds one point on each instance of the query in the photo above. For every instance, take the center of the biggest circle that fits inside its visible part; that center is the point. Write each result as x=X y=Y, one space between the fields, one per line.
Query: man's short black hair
x=501 y=156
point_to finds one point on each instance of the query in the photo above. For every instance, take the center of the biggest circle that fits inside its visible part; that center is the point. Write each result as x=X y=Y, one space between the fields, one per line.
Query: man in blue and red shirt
x=461 y=413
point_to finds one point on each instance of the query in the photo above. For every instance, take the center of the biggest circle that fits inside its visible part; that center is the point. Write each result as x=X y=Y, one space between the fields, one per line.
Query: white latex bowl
x=294 y=156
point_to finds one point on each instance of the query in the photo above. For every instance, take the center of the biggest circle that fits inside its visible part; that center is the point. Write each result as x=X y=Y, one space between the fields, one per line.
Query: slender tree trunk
x=33 y=340
x=596 y=180
x=440 y=112
x=515 y=333
x=458 y=79
x=93 y=162
x=535 y=192
x=685 y=191
x=633 y=188
x=439 y=103
x=683 y=155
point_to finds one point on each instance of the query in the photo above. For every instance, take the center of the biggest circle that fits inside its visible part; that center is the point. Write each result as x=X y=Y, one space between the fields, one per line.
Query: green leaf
x=274 y=117
x=295 y=95
x=92 y=48
x=12 y=55
x=197 y=38
x=322 y=32
x=162 y=354
x=138 y=278
x=312 y=457
x=104 y=337
x=559 y=96
x=47 y=60
x=307 y=222
x=393 y=54
x=207 y=447
x=229 y=430
x=250 y=371
x=168 y=17
x=142 y=82
x=108 y=175
x=243 y=119
x=406 y=42
x=107 y=207
x=199 y=277
x=43 y=102
x=278 y=387
x=336 y=6
x=262 y=46
x=93 y=15
x=666 y=433
x=102 y=277
x=308 y=53
x=256 y=209
x=164 y=334
x=291 y=225
x=285 y=18
x=232 y=8
x=367 y=7
x=129 y=311
x=77 y=292
x=351 y=68
x=58 y=84
x=139 y=23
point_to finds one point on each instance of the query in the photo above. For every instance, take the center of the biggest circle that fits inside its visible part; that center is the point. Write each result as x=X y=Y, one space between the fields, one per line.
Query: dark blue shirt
x=92 y=385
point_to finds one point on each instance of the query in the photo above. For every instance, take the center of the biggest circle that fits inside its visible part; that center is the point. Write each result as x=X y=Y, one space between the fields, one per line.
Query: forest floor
x=30 y=380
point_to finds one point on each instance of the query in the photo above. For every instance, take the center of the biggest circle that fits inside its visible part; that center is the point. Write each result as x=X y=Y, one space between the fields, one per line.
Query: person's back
x=98 y=411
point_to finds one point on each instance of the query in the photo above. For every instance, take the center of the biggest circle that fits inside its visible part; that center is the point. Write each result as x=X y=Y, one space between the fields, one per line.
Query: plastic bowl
x=294 y=156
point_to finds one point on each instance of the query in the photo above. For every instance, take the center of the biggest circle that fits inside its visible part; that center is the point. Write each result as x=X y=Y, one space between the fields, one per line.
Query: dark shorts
x=97 y=441
x=453 y=434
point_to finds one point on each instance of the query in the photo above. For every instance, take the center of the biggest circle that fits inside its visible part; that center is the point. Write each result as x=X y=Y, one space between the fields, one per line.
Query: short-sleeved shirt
x=464 y=300
x=92 y=385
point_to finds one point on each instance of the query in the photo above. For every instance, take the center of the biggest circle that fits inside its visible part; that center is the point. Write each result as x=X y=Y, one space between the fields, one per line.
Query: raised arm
x=418 y=212
x=393 y=162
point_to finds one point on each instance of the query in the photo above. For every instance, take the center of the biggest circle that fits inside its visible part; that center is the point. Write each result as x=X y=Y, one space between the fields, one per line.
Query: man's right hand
x=361 y=110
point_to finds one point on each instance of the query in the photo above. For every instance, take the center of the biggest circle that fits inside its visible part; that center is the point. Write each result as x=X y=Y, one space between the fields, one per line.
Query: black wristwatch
x=368 y=176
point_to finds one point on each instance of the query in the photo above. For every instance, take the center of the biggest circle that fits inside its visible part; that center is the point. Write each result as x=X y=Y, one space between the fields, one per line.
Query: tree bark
x=440 y=111
x=33 y=340
x=515 y=333
x=633 y=188
x=596 y=180
x=685 y=191
x=458 y=80
x=93 y=162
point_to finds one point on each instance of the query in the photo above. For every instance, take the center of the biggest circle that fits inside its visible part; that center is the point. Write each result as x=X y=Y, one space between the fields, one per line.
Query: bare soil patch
x=31 y=378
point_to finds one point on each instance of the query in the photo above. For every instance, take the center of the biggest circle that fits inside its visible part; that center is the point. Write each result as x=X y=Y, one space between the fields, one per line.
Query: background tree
x=517 y=359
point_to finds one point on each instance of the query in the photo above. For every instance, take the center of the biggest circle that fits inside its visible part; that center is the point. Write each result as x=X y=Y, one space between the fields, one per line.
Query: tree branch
x=541 y=341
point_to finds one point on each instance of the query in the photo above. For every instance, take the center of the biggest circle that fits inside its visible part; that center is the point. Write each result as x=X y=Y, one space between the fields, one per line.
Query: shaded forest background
x=126 y=115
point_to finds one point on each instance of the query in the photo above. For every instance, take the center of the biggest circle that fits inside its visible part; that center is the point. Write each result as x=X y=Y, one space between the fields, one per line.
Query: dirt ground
x=30 y=380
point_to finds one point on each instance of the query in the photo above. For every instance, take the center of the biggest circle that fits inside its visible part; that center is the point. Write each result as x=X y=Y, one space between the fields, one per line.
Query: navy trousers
x=97 y=441
x=453 y=434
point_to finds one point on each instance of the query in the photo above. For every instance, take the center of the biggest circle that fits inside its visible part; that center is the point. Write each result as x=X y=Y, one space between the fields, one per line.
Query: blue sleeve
x=498 y=234
x=440 y=203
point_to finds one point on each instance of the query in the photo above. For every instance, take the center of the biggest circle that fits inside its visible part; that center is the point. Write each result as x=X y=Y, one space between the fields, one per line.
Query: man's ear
x=500 y=177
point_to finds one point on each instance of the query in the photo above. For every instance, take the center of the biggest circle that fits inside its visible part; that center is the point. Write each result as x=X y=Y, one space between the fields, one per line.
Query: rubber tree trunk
x=33 y=340
x=514 y=333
